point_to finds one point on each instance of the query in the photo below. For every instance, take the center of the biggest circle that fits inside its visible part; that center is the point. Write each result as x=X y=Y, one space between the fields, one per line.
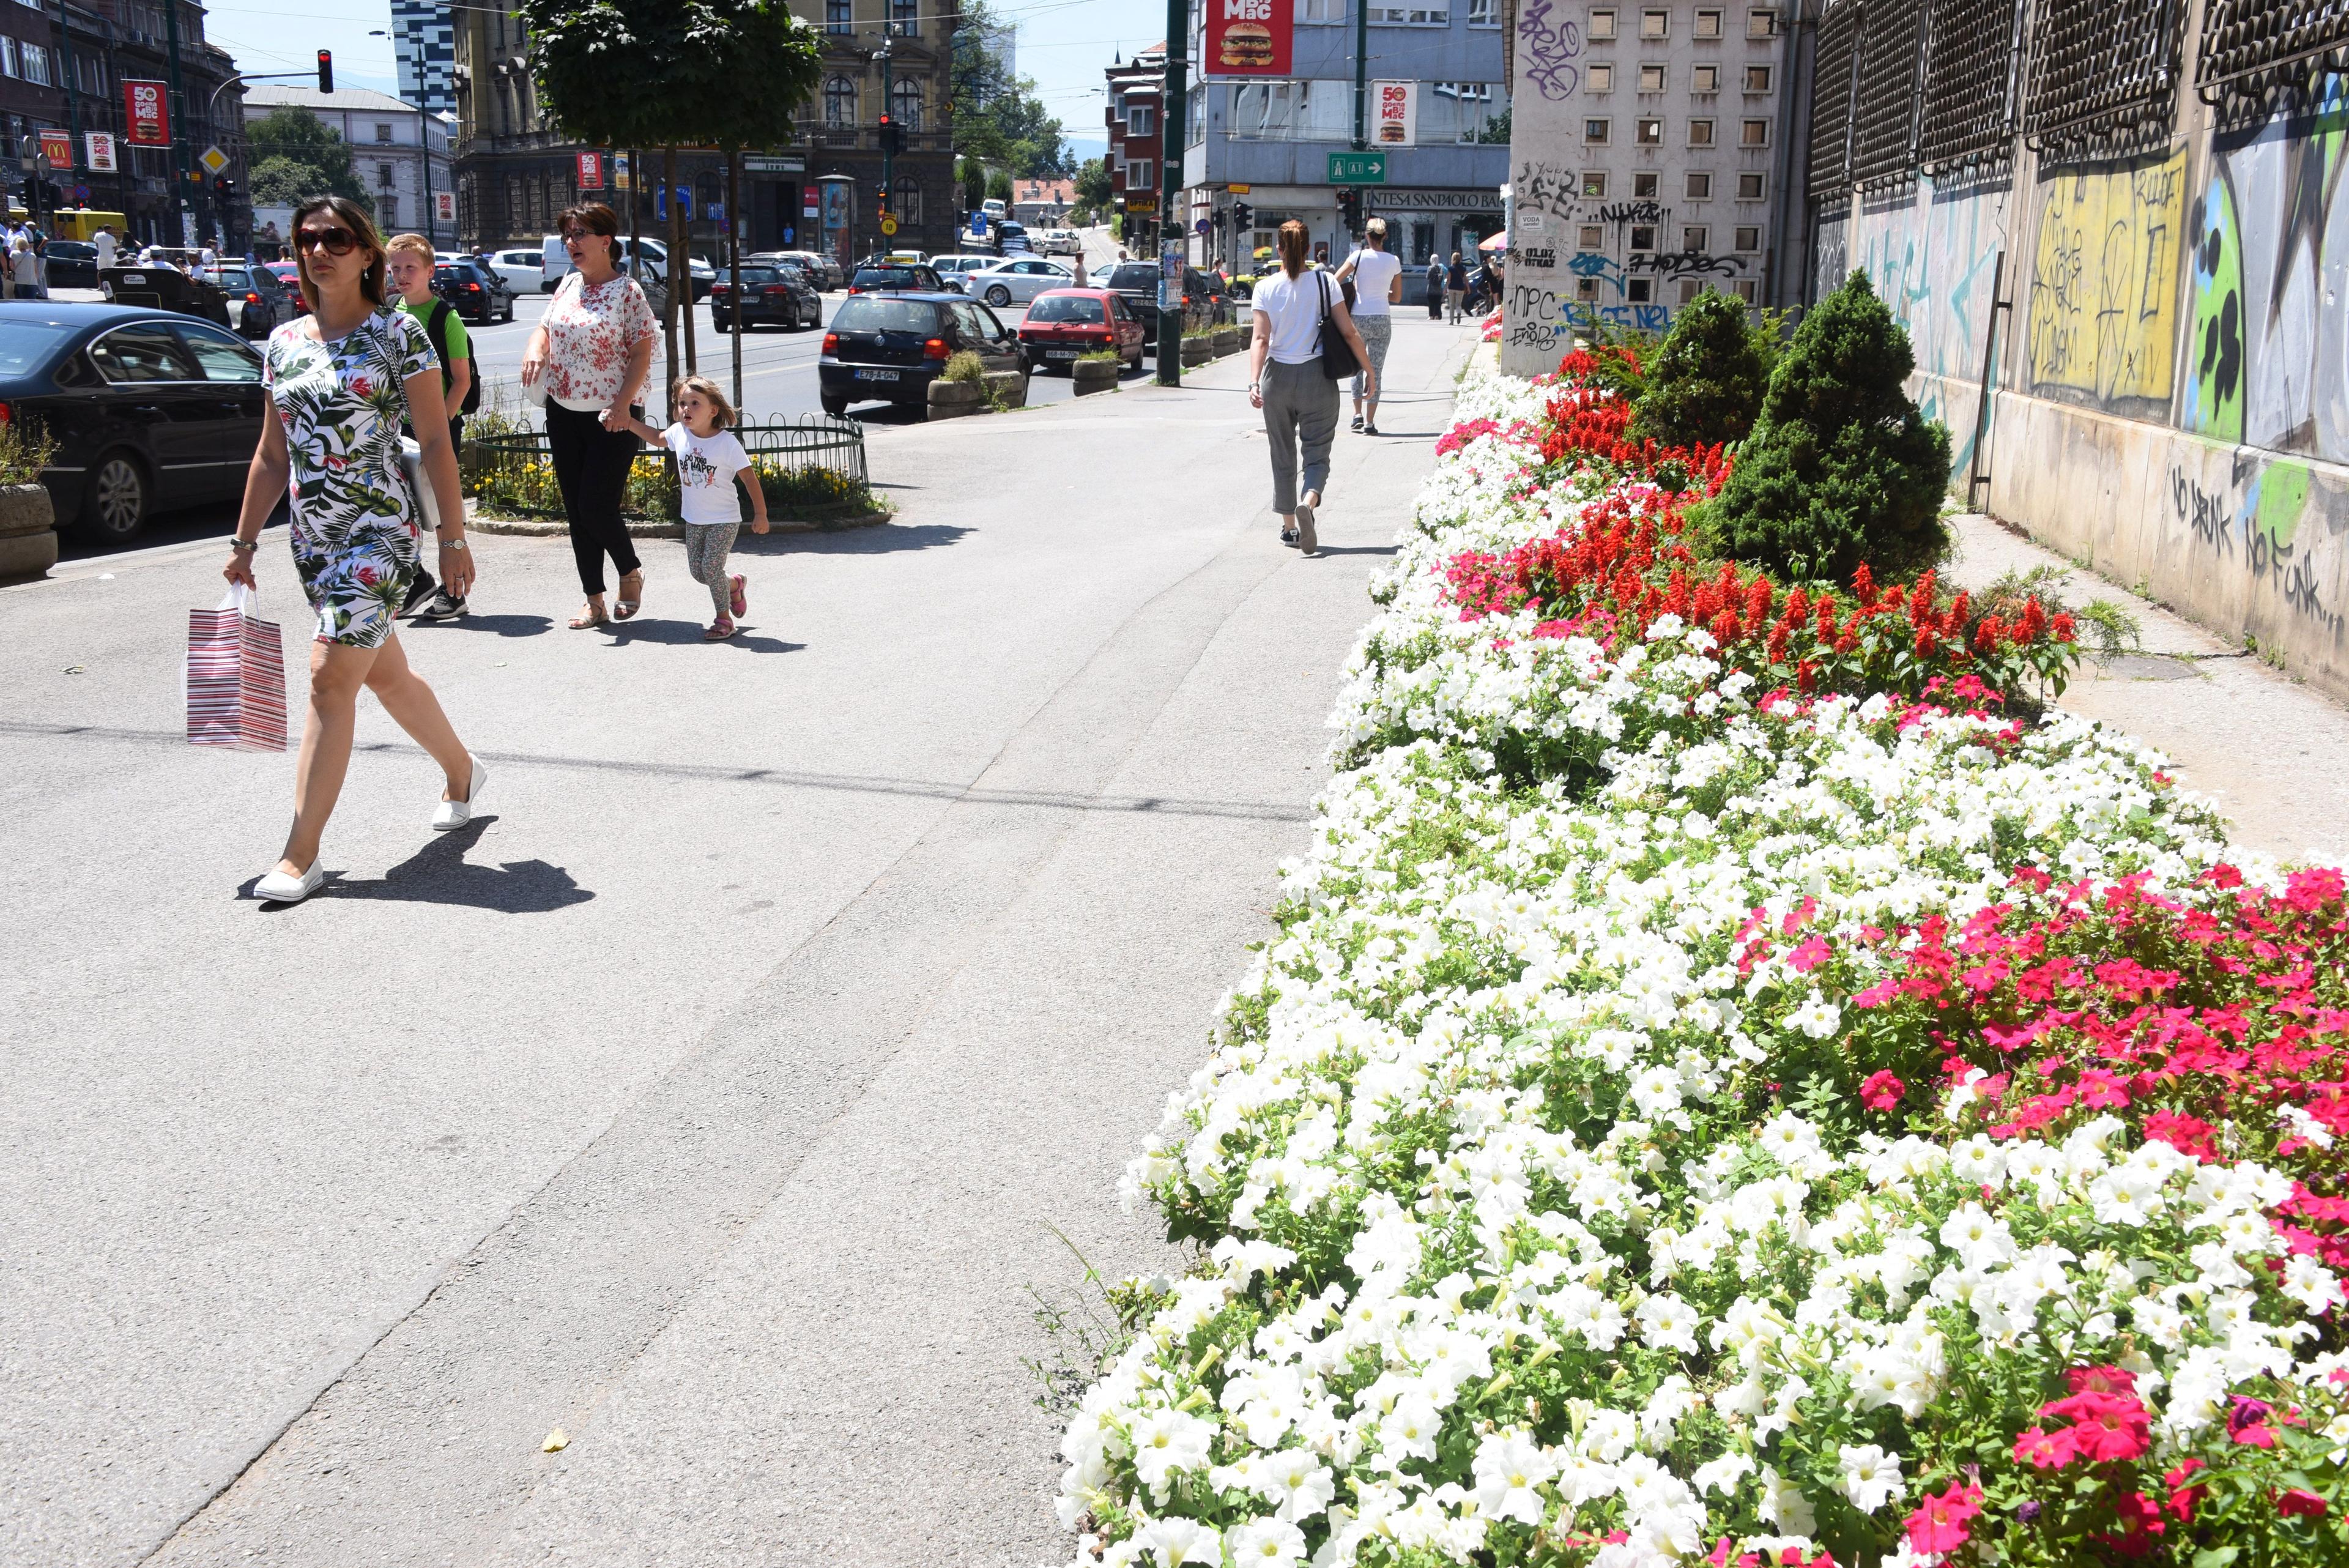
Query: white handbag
x=419 y=487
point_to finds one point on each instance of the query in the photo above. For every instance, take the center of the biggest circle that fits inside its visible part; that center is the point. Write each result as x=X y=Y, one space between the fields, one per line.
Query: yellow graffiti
x=2103 y=291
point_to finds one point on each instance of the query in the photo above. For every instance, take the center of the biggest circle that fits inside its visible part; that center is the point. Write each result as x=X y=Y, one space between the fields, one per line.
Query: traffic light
x=892 y=135
x=223 y=188
x=326 y=70
x=1349 y=208
x=1242 y=216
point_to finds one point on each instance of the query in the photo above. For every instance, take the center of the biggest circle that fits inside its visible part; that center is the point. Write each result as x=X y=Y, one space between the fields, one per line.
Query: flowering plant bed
x=1737 y=1083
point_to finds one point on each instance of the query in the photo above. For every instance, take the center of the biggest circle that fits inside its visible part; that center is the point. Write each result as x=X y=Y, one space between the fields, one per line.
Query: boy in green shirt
x=408 y=259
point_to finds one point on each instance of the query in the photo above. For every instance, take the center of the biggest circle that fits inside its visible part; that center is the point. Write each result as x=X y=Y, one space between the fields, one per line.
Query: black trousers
x=591 y=469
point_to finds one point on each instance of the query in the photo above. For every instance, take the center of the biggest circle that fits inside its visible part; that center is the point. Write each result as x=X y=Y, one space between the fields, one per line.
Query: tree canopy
x=672 y=73
x=998 y=118
x=295 y=156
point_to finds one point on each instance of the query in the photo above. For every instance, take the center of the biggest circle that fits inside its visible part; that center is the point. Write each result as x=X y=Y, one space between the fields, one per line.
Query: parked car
x=152 y=411
x=1063 y=323
x=70 y=264
x=289 y=278
x=521 y=270
x=1016 y=280
x=825 y=269
x=889 y=348
x=474 y=292
x=951 y=269
x=1011 y=238
x=1136 y=282
x=257 y=302
x=772 y=295
x=1060 y=243
x=886 y=279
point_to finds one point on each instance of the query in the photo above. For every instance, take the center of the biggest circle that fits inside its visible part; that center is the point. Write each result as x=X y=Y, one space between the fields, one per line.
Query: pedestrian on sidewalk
x=709 y=459
x=25 y=271
x=1434 y=290
x=336 y=377
x=105 y=246
x=1378 y=288
x=594 y=347
x=1455 y=287
x=411 y=261
x=1286 y=380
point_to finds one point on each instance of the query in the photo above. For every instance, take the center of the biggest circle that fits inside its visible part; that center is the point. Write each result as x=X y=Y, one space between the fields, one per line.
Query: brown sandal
x=626 y=607
x=593 y=616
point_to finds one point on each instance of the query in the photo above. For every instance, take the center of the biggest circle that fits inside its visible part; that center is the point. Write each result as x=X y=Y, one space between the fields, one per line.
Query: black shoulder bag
x=1338 y=359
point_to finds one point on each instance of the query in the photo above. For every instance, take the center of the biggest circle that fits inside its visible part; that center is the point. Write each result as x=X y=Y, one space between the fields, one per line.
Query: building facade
x=400 y=153
x=1136 y=120
x=424 y=41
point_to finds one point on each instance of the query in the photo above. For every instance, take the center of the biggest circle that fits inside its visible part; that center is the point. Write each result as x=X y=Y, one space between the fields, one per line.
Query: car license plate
x=1060 y=353
x=863 y=375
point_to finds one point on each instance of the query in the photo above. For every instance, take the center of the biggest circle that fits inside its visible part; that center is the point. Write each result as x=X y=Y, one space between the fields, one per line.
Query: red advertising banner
x=145 y=110
x=1247 y=38
x=591 y=171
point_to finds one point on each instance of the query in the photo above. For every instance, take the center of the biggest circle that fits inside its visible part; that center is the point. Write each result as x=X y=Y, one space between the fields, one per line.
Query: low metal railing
x=811 y=466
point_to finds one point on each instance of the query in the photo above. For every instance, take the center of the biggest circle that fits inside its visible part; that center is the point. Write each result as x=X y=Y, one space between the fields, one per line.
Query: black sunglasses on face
x=335 y=241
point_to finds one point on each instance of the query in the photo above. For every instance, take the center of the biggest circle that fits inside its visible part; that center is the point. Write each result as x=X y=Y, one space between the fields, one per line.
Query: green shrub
x=1840 y=468
x=965 y=367
x=26 y=449
x=1705 y=384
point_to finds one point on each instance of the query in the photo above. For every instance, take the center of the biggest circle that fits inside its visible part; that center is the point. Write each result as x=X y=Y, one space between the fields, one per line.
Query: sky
x=1064 y=46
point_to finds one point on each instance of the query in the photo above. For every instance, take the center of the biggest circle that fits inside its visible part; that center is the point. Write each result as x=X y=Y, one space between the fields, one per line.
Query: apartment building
x=1135 y=121
x=400 y=153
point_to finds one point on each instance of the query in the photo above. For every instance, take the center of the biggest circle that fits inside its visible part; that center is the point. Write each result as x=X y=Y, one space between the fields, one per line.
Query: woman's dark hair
x=593 y=216
x=1293 y=243
x=354 y=217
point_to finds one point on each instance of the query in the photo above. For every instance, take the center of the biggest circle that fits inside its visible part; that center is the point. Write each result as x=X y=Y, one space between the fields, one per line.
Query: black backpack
x=442 y=311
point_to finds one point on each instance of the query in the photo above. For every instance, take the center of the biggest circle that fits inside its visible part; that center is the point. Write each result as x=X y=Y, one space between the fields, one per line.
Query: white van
x=558 y=263
x=993 y=207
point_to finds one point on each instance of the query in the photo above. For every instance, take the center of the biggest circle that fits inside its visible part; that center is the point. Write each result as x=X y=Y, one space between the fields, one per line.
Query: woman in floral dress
x=339 y=381
x=592 y=348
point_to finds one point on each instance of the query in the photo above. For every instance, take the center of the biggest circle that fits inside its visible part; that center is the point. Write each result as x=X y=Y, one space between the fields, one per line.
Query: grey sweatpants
x=1300 y=404
x=706 y=548
x=1377 y=332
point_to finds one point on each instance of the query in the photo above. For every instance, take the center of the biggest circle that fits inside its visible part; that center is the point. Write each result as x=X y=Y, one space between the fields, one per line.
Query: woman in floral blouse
x=594 y=347
x=340 y=379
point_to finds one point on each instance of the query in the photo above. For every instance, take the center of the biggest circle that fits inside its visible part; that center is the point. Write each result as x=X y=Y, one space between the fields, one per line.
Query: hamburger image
x=1246 y=45
x=1390 y=132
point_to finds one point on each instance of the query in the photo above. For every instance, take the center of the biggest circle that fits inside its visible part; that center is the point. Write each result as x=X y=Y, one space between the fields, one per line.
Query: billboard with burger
x=1247 y=38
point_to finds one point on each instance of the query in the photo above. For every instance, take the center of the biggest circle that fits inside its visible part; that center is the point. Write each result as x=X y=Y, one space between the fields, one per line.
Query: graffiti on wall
x=2271 y=519
x=2104 y=283
x=1548 y=49
x=2268 y=360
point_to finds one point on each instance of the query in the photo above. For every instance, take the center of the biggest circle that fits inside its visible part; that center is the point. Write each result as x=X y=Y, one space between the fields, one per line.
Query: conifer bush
x=1840 y=468
x=1706 y=383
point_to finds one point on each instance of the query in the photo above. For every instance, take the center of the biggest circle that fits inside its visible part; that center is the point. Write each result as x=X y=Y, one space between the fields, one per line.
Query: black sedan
x=150 y=410
x=475 y=292
x=886 y=277
x=256 y=300
x=777 y=295
x=889 y=348
x=69 y=263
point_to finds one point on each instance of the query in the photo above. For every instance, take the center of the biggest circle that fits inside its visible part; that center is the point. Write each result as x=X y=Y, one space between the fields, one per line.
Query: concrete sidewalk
x=714 y=1099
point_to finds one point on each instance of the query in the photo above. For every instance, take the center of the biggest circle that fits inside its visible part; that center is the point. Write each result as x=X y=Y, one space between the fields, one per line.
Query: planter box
x=1197 y=350
x=1008 y=387
x=1228 y=341
x=1090 y=376
x=957 y=399
x=28 y=536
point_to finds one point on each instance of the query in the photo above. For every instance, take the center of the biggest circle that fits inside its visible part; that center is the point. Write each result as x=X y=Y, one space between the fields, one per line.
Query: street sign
x=1358 y=168
x=1237 y=189
x=146 y=110
x=756 y=163
x=1140 y=203
x=1201 y=226
x=888 y=224
x=213 y=160
x=100 y=147
x=57 y=148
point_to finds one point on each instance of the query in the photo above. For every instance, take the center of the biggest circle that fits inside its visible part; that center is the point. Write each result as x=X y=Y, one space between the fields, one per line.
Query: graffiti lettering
x=1685 y=264
x=1541 y=256
x=1632 y=213
x=2266 y=520
x=2103 y=294
x=1590 y=264
x=1546 y=188
x=1549 y=51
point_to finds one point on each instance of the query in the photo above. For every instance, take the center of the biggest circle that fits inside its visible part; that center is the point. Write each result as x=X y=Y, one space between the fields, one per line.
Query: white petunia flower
x=1871 y=1477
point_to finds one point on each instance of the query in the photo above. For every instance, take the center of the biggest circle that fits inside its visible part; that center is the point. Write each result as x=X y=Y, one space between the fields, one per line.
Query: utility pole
x=179 y=121
x=73 y=92
x=1178 y=249
x=1361 y=96
x=888 y=131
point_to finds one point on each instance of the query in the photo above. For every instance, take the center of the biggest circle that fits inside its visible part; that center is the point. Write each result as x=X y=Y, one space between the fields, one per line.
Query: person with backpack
x=410 y=260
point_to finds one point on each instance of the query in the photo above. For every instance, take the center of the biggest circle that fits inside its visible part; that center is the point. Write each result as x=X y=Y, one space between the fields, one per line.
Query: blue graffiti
x=1590 y=264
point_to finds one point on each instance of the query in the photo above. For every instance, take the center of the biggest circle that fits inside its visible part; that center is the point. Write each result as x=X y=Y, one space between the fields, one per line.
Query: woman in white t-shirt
x=1287 y=380
x=709 y=458
x=1377 y=276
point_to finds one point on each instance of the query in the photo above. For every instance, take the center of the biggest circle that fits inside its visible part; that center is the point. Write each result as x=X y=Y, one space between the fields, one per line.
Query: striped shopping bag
x=236 y=676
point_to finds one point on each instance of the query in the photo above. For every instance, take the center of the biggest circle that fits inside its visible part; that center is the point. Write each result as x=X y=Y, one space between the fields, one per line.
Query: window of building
x=1463 y=112
x=1690 y=289
x=1705 y=78
x=1117 y=107
x=9 y=65
x=1693 y=237
x=383 y=131
x=906 y=18
x=1141 y=174
x=1140 y=120
x=905 y=103
x=1412 y=16
x=1699 y=186
x=1293 y=112
x=1751 y=187
x=1753 y=134
x=1749 y=237
x=839 y=103
x=1749 y=289
x=36 y=64
x=1594 y=185
x=1599 y=79
x=1320 y=10
x=383 y=177
x=1650 y=133
x=386 y=210
x=1700 y=133
x=1643 y=186
x=1643 y=236
x=1586 y=288
x=1591 y=236
x=1594 y=130
x=906 y=200
x=1708 y=24
x=1481 y=14
x=839 y=17
x=1655 y=24
x=1652 y=78
x=1640 y=290
x=1761 y=24
x=1757 y=79
x=1602 y=25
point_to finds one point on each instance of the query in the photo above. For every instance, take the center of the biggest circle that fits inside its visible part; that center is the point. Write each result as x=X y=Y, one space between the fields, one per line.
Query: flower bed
x=1696 y=1109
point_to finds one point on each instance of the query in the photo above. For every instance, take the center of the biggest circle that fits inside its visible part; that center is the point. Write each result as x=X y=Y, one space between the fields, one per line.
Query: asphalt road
x=716 y=1095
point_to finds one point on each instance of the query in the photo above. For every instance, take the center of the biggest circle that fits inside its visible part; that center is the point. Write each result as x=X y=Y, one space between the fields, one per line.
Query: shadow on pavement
x=880 y=539
x=677 y=633
x=504 y=624
x=1356 y=550
x=439 y=873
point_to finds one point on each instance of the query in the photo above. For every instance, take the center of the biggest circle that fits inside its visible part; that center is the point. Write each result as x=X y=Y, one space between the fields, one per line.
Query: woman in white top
x=1287 y=380
x=1378 y=288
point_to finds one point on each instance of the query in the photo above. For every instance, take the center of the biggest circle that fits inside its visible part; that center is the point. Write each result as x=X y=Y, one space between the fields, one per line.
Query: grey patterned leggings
x=706 y=548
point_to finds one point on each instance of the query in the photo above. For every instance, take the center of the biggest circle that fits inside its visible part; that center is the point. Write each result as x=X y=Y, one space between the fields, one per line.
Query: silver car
x=952 y=270
x=1016 y=279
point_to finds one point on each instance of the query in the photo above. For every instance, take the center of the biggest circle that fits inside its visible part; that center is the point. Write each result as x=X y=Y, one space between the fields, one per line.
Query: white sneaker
x=279 y=889
x=456 y=813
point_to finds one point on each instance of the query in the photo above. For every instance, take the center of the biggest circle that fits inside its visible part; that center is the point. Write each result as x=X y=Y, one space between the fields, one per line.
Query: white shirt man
x=106 y=247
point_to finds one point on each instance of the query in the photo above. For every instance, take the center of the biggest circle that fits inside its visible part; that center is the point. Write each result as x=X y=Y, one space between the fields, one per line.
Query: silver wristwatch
x=457 y=544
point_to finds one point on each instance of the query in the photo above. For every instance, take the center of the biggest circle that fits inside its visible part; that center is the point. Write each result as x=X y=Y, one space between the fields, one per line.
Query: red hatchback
x=1063 y=323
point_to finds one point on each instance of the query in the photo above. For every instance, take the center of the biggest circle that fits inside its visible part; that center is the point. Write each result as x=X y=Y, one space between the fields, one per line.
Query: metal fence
x=824 y=453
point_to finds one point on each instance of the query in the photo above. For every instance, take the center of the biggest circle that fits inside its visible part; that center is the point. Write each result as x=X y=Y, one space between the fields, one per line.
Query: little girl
x=708 y=461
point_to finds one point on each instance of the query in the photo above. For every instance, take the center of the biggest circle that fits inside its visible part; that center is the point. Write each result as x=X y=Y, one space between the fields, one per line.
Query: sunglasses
x=335 y=241
x=579 y=236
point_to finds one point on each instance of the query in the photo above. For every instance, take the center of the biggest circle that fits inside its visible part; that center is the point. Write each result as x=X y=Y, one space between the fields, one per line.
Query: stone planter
x=1009 y=388
x=1197 y=350
x=1090 y=376
x=957 y=399
x=1228 y=341
x=28 y=535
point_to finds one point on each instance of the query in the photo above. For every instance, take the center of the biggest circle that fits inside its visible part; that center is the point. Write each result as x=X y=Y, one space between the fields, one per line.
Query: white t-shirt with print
x=706 y=467
x=1374 y=275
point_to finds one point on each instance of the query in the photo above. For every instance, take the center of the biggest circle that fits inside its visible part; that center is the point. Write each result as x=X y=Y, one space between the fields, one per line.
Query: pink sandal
x=720 y=630
x=741 y=604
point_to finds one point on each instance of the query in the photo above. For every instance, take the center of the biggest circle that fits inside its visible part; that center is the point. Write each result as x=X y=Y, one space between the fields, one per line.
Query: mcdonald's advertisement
x=1247 y=38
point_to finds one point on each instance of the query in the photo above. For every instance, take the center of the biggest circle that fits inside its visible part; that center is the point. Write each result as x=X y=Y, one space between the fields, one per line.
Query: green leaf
x=2216 y=1556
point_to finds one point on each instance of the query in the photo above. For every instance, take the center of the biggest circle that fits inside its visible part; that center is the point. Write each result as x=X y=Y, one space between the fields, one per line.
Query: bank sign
x=1247 y=38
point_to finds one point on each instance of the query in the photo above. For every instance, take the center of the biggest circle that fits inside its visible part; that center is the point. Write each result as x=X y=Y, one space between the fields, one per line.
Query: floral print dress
x=341 y=403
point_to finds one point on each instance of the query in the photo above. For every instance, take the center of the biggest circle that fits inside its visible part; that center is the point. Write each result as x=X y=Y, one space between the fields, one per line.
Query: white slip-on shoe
x=279 y=889
x=456 y=813
x=1306 y=540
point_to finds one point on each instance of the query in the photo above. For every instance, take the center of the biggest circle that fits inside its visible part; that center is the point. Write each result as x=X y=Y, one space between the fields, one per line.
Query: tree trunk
x=734 y=256
x=668 y=313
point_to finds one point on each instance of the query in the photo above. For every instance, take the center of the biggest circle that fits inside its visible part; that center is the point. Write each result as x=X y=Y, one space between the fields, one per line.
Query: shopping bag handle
x=242 y=599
